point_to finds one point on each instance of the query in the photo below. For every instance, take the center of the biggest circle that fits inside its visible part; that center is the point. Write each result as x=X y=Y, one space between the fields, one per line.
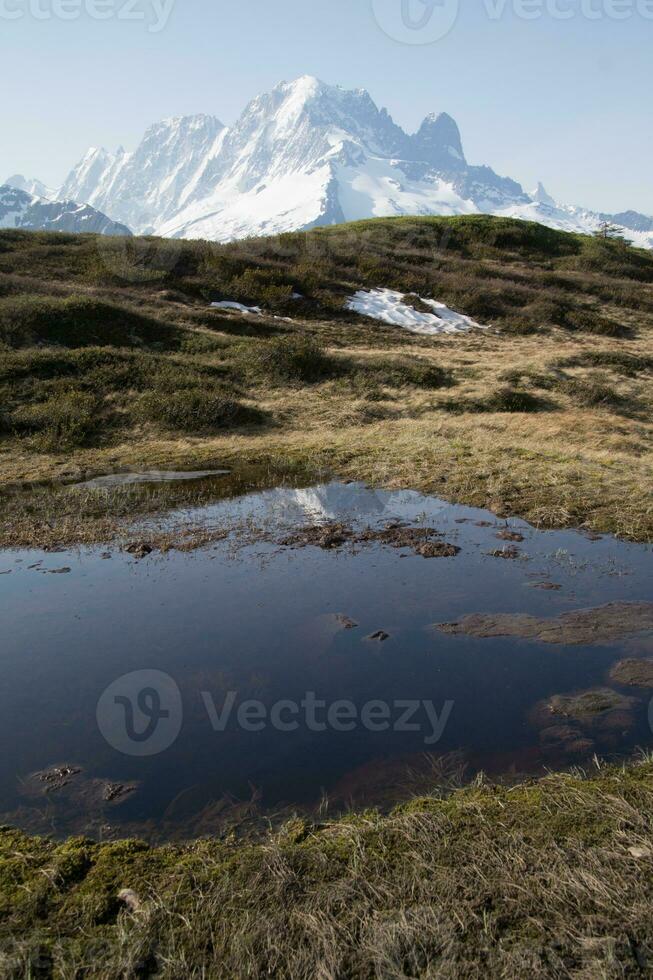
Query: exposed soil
x=507 y=535
x=509 y=553
x=602 y=625
x=424 y=541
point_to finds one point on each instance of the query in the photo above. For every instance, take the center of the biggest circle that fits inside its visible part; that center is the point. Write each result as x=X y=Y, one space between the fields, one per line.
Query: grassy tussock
x=546 y=879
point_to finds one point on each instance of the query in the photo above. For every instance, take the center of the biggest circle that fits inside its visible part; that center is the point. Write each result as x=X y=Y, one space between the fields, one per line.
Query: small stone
x=129 y=898
x=640 y=852
x=117 y=791
x=59 y=571
x=346 y=622
x=379 y=637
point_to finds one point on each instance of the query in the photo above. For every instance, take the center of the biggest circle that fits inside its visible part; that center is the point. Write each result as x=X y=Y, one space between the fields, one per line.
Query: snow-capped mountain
x=31 y=186
x=145 y=188
x=18 y=209
x=302 y=155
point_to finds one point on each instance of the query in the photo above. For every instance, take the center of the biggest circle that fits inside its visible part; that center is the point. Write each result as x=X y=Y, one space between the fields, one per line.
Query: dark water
x=259 y=623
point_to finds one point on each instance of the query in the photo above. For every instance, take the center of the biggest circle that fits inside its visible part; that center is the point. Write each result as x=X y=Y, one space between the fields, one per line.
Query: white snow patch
x=388 y=306
x=226 y=305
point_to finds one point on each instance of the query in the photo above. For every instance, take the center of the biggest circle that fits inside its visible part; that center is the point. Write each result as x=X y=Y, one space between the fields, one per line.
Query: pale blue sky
x=566 y=101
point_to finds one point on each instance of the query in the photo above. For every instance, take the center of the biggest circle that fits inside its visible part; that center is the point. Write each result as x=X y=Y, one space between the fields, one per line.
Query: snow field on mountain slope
x=388 y=306
x=380 y=189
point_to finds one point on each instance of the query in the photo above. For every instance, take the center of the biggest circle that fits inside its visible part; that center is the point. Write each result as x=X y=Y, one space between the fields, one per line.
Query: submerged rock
x=116 y=792
x=565 y=738
x=602 y=625
x=346 y=622
x=58 y=776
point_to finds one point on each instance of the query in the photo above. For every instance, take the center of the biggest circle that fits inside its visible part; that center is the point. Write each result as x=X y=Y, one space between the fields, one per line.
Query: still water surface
x=260 y=622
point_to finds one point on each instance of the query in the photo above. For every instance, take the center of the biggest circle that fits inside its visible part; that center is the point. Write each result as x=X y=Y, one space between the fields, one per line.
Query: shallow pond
x=180 y=693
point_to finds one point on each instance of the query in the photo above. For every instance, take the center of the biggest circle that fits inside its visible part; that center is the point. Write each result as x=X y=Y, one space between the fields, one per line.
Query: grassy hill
x=110 y=356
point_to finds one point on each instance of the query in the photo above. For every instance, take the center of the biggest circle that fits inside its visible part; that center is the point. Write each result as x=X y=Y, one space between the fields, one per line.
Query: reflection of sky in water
x=261 y=622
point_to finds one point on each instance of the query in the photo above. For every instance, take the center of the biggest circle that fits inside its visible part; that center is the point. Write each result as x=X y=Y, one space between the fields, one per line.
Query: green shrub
x=591 y=393
x=78 y=321
x=194 y=410
x=403 y=372
x=587 y=321
x=519 y=326
x=512 y=400
x=630 y=365
x=505 y=399
x=284 y=360
x=533 y=379
x=61 y=422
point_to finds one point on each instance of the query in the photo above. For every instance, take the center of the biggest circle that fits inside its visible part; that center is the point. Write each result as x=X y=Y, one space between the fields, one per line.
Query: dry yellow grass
x=590 y=467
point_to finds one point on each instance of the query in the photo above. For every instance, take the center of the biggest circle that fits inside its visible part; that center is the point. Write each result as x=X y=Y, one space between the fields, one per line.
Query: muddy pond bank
x=294 y=660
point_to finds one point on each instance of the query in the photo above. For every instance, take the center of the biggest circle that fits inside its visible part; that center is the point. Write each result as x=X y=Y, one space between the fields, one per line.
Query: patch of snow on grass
x=389 y=307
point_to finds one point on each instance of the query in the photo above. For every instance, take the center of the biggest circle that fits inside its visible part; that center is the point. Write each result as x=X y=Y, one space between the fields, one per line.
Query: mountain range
x=21 y=209
x=303 y=155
